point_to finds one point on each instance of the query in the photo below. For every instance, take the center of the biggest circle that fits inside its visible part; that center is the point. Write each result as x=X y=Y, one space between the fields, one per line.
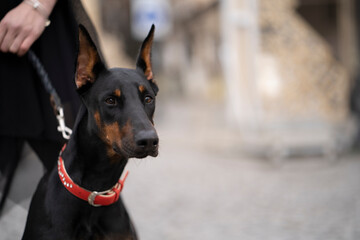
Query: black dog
x=114 y=124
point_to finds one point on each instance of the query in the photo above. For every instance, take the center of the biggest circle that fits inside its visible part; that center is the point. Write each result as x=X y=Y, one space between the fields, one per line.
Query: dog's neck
x=86 y=158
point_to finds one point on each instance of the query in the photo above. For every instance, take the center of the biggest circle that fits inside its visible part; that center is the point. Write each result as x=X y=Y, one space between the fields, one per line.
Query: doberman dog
x=114 y=123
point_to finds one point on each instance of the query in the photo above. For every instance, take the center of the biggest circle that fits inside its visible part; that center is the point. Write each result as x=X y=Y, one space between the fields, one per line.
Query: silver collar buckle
x=92 y=197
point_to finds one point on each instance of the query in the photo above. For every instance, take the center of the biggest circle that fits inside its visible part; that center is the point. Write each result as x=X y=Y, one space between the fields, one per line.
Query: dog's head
x=120 y=102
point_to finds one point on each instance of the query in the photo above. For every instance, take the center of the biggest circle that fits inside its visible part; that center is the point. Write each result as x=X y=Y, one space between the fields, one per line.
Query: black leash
x=59 y=112
x=55 y=99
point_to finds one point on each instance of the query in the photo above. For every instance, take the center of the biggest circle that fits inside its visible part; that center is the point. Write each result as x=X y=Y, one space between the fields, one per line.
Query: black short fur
x=115 y=123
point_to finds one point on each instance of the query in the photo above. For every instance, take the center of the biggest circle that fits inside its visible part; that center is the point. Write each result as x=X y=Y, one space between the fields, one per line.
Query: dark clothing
x=25 y=110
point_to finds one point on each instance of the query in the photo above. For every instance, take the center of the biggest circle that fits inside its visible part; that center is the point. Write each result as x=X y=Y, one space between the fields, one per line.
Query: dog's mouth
x=129 y=151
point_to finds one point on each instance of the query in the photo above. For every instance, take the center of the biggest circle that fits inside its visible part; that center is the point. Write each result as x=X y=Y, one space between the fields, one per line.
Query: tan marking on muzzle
x=112 y=132
x=97 y=119
x=114 y=135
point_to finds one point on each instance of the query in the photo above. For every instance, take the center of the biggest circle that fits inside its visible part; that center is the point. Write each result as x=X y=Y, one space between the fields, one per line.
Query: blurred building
x=283 y=68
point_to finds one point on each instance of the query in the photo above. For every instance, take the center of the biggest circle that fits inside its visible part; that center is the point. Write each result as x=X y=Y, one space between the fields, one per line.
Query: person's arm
x=21 y=26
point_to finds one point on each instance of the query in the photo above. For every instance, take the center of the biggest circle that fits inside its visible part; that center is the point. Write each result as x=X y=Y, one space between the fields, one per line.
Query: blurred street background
x=257 y=114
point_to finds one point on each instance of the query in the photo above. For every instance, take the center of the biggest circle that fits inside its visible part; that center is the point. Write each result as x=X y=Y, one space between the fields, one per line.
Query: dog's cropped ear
x=144 y=59
x=88 y=63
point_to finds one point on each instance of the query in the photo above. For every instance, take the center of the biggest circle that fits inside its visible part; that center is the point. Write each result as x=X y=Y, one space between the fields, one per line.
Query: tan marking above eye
x=142 y=88
x=117 y=93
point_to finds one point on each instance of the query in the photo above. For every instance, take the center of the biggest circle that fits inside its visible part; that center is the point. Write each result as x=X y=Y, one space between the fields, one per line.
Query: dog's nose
x=147 y=140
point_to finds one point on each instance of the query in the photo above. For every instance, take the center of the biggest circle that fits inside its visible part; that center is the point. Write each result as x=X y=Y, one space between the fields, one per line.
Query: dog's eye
x=110 y=101
x=148 y=100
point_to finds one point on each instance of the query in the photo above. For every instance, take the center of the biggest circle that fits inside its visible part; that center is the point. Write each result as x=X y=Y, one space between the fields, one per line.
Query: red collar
x=94 y=198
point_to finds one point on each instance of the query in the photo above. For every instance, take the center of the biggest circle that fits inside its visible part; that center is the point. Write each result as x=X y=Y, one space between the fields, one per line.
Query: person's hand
x=21 y=27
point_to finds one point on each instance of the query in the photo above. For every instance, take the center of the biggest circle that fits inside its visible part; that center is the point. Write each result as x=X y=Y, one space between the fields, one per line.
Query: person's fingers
x=26 y=44
x=15 y=46
x=3 y=31
x=31 y=35
x=7 y=41
x=19 y=29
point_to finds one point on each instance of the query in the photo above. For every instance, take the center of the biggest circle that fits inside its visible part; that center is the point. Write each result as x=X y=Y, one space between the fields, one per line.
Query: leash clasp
x=65 y=131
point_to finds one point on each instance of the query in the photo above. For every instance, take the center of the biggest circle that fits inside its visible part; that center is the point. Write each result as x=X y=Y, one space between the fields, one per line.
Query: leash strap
x=55 y=99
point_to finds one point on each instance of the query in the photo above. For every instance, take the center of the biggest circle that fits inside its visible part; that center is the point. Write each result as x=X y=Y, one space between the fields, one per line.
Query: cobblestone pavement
x=202 y=187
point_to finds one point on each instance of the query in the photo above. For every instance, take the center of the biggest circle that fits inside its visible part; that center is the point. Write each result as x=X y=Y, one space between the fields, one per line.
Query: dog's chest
x=104 y=236
x=93 y=228
x=97 y=232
